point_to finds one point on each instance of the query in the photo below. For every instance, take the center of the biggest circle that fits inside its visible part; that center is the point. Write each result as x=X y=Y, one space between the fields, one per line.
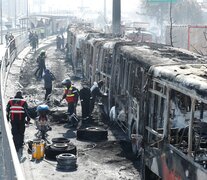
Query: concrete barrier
x=10 y=166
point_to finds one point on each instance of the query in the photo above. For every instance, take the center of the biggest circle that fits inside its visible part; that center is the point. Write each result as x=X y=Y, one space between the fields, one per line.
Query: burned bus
x=82 y=41
x=162 y=93
x=159 y=94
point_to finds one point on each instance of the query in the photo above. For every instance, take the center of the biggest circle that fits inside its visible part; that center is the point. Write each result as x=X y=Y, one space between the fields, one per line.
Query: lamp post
x=1 y=23
x=27 y=14
x=15 y=14
x=104 y=10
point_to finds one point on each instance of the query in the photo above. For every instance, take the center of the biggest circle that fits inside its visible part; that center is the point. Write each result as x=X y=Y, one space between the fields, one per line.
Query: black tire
x=60 y=145
x=51 y=151
x=60 y=140
x=66 y=159
x=92 y=134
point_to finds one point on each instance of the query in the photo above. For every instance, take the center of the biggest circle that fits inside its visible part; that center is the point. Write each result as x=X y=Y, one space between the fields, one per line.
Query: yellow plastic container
x=38 y=150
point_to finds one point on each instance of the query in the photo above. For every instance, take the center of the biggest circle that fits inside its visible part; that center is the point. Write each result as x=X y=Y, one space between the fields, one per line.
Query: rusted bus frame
x=197 y=172
x=128 y=101
x=165 y=136
x=119 y=62
x=78 y=46
x=168 y=161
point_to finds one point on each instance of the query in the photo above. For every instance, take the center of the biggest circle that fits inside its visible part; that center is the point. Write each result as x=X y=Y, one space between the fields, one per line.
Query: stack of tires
x=59 y=146
x=66 y=162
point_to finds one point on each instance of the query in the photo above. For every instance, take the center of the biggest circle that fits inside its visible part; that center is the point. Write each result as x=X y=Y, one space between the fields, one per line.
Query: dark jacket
x=48 y=78
x=41 y=61
x=85 y=94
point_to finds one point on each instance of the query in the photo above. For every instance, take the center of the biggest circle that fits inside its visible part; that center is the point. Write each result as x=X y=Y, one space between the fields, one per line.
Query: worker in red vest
x=17 y=111
x=71 y=95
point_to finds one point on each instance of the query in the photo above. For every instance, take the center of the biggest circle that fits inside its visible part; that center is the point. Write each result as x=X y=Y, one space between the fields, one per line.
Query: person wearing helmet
x=66 y=82
x=17 y=111
x=42 y=123
x=41 y=65
x=71 y=95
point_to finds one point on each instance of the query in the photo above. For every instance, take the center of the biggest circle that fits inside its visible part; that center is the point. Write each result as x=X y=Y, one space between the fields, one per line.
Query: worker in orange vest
x=71 y=95
x=17 y=111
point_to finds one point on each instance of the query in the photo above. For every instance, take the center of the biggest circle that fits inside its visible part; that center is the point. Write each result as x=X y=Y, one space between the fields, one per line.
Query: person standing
x=17 y=111
x=62 y=42
x=48 y=78
x=58 y=42
x=85 y=96
x=71 y=95
x=41 y=65
x=36 y=38
x=7 y=38
x=96 y=92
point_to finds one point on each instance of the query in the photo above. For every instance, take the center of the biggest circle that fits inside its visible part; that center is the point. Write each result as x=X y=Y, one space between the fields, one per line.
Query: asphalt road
x=106 y=160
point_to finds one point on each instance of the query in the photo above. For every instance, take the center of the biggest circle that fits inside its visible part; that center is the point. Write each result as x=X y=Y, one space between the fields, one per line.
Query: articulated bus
x=160 y=99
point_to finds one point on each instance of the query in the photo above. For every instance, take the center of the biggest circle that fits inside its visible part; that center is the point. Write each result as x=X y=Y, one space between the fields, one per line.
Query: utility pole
x=105 y=19
x=105 y=10
x=15 y=14
x=27 y=14
x=116 y=19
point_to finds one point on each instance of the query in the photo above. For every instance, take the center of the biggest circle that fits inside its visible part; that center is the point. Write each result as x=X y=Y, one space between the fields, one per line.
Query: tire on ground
x=92 y=134
x=51 y=151
x=60 y=140
x=66 y=159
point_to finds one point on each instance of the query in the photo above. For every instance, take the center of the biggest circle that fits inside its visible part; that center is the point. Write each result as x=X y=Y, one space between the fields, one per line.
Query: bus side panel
x=171 y=164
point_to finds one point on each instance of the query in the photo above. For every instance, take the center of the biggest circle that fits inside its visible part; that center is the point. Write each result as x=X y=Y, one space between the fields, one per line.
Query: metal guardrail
x=10 y=162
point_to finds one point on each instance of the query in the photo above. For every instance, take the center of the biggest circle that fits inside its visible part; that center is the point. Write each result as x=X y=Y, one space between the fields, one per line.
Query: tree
x=183 y=11
x=187 y=12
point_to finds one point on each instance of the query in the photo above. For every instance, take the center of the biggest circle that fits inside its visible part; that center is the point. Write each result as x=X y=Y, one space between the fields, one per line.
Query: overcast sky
x=126 y=5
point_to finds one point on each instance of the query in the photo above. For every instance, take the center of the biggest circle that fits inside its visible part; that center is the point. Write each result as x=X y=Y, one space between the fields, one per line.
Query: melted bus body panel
x=160 y=99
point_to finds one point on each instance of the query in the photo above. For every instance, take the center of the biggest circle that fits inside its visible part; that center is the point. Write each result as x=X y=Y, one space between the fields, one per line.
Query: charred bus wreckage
x=157 y=95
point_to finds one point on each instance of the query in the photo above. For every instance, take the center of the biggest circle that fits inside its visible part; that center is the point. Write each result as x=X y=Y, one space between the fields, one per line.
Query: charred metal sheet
x=168 y=163
x=192 y=78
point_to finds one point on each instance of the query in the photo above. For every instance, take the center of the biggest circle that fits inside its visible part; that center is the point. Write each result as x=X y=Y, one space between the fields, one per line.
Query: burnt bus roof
x=192 y=78
x=149 y=54
x=183 y=70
